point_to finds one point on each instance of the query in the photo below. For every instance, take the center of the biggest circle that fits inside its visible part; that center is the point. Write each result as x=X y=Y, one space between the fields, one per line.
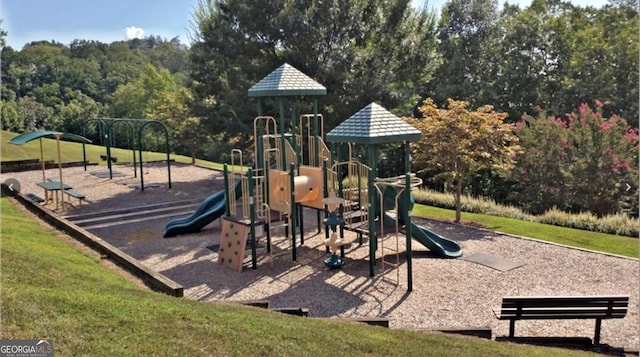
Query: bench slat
x=570 y=309
x=557 y=316
x=566 y=301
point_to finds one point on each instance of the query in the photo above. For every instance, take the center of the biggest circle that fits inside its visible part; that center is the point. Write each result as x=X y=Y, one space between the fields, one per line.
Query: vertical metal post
x=252 y=215
x=407 y=218
x=293 y=209
x=84 y=155
x=283 y=156
x=372 y=199
x=166 y=138
x=227 y=209
x=325 y=193
x=317 y=133
x=139 y=156
x=408 y=225
x=108 y=146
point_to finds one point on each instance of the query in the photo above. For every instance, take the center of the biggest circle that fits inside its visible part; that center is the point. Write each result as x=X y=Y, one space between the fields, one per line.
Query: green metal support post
x=407 y=219
x=373 y=240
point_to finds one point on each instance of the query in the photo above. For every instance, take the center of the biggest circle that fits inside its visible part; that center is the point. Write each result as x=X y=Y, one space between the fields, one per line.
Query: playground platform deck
x=446 y=293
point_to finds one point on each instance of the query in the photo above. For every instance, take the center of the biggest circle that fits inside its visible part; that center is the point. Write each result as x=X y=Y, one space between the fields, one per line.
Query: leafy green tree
x=9 y=118
x=35 y=115
x=467 y=35
x=137 y=98
x=76 y=109
x=603 y=63
x=586 y=162
x=362 y=51
x=457 y=143
x=555 y=55
x=186 y=131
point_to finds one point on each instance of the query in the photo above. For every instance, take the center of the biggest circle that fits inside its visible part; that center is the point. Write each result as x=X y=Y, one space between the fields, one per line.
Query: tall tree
x=467 y=37
x=362 y=51
x=475 y=140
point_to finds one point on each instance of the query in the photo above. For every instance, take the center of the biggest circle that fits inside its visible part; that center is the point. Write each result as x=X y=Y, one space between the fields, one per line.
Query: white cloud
x=132 y=32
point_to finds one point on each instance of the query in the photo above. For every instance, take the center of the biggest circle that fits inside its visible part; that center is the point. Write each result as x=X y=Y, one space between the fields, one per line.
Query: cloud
x=132 y=32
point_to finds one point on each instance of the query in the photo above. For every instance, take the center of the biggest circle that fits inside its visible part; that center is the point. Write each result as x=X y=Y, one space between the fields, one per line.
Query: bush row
x=619 y=224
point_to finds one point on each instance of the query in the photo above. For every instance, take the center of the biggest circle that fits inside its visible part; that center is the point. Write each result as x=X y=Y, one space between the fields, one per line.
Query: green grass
x=72 y=152
x=608 y=243
x=51 y=290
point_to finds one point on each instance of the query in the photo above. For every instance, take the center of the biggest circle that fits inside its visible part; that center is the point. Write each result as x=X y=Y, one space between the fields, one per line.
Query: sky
x=117 y=20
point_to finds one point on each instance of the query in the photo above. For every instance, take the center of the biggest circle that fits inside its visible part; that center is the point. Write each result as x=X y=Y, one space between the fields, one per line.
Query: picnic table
x=54 y=187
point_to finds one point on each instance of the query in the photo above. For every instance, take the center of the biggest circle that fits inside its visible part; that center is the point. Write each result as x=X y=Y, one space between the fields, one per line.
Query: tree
x=362 y=51
x=457 y=143
x=467 y=35
x=555 y=55
x=186 y=131
x=136 y=99
x=584 y=162
x=9 y=118
x=35 y=115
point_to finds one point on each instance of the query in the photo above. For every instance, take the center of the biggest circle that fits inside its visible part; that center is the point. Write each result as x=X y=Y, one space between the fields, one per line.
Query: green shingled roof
x=373 y=124
x=286 y=80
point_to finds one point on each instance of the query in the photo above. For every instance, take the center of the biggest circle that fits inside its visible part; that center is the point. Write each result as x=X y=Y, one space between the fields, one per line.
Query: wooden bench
x=562 y=307
x=75 y=194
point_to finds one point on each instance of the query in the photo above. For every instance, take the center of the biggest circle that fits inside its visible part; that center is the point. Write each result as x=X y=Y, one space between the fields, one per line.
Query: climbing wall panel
x=233 y=242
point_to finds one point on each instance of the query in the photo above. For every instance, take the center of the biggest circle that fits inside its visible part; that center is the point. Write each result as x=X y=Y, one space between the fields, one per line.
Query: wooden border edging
x=150 y=277
x=296 y=311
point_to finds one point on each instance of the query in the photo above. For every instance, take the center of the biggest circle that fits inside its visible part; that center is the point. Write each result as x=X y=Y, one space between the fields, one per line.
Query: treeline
x=547 y=58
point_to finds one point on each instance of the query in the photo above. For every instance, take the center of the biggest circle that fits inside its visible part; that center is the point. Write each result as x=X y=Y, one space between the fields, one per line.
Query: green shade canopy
x=33 y=135
x=373 y=124
x=286 y=80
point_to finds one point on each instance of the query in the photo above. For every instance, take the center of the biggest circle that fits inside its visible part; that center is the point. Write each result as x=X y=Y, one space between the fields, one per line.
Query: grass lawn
x=52 y=288
x=609 y=243
x=72 y=152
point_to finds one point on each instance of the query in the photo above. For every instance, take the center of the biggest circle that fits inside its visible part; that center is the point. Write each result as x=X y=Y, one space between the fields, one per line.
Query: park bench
x=562 y=307
x=75 y=194
x=35 y=198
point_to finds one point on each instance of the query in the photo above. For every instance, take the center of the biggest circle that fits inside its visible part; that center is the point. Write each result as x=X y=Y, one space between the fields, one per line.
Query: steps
x=122 y=216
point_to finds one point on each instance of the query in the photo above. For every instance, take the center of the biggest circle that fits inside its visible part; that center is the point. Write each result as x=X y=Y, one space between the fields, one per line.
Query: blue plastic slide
x=209 y=210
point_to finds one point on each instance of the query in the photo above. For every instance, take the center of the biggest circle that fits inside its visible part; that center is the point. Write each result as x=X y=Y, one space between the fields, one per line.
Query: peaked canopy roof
x=373 y=124
x=33 y=135
x=286 y=80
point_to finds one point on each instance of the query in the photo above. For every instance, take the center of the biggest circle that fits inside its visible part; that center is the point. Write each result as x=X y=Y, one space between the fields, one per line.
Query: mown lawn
x=602 y=242
x=52 y=289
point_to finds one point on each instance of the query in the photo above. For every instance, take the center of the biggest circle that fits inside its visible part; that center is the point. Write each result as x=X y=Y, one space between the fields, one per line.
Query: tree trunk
x=457 y=195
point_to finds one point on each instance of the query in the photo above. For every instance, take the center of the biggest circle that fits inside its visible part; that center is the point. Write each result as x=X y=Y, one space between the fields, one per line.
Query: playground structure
x=292 y=169
x=136 y=129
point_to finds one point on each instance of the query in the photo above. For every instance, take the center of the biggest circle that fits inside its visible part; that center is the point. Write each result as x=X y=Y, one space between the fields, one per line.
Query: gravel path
x=446 y=293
